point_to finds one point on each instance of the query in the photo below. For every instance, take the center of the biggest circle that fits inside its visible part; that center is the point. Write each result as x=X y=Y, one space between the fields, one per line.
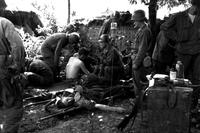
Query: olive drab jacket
x=111 y=59
x=50 y=46
x=186 y=34
x=140 y=45
x=164 y=49
x=12 y=61
x=12 y=53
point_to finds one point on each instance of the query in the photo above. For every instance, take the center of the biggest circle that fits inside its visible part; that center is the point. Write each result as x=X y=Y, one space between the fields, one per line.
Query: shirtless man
x=75 y=65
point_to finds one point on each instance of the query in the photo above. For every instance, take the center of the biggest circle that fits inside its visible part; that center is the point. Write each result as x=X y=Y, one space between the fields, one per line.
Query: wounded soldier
x=75 y=66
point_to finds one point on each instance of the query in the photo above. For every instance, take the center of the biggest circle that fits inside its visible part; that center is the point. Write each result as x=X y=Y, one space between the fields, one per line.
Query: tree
x=69 y=13
x=153 y=6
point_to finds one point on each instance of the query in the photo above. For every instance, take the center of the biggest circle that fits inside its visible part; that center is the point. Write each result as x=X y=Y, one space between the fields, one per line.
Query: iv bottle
x=180 y=69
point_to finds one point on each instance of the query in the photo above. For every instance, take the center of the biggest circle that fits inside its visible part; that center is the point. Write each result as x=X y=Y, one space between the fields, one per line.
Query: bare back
x=73 y=68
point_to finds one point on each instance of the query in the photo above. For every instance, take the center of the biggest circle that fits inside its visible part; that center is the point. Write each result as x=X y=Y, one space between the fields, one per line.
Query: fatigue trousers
x=11 y=107
x=138 y=76
x=192 y=71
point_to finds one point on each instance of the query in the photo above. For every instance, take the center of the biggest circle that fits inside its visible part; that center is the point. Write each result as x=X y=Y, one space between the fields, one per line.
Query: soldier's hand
x=134 y=66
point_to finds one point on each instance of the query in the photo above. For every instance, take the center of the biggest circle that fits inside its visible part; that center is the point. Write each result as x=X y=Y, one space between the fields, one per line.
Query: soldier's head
x=83 y=53
x=195 y=6
x=139 y=18
x=104 y=41
x=74 y=38
x=70 y=28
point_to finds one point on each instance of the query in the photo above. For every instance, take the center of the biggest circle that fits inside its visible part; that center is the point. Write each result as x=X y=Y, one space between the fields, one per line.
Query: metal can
x=172 y=74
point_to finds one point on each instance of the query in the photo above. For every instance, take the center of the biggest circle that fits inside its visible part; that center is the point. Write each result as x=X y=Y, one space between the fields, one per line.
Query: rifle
x=135 y=109
x=133 y=114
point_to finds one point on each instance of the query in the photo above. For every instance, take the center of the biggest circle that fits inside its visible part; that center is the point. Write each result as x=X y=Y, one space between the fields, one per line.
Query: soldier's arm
x=170 y=28
x=58 y=49
x=83 y=68
x=17 y=51
x=170 y=23
x=143 y=47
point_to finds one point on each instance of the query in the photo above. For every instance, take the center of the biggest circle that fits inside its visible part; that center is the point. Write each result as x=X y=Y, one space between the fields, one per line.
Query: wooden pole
x=69 y=11
x=152 y=20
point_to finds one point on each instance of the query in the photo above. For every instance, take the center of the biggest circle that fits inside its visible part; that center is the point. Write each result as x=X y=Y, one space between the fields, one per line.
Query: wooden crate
x=168 y=115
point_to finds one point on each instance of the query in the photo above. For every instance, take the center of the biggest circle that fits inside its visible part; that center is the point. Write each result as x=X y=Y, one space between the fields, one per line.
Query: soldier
x=39 y=73
x=76 y=65
x=52 y=46
x=139 y=48
x=12 y=60
x=184 y=29
x=111 y=65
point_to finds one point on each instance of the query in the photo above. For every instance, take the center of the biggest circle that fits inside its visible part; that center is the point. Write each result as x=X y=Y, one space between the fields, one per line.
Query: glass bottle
x=180 y=69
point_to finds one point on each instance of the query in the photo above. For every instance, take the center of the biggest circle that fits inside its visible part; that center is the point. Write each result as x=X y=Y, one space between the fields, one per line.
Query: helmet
x=139 y=15
x=104 y=38
x=74 y=37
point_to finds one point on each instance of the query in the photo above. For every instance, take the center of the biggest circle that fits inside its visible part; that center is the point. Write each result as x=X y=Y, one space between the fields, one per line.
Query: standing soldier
x=139 y=49
x=12 y=60
x=184 y=29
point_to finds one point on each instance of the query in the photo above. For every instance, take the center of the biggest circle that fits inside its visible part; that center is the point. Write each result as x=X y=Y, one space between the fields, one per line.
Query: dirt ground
x=93 y=121
x=88 y=121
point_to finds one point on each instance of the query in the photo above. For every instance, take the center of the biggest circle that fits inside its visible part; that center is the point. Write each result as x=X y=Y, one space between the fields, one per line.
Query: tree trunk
x=152 y=20
x=69 y=13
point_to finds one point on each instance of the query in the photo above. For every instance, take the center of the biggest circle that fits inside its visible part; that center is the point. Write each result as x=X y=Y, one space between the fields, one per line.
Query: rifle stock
x=133 y=115
x=136 y=106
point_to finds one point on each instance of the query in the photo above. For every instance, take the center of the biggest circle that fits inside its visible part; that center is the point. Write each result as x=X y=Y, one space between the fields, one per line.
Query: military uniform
x=186 y=34
x=139 y=50
x=39 y=74
x=12 y=57
x=51 y=49
x=112 y=64
x=163 y=55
